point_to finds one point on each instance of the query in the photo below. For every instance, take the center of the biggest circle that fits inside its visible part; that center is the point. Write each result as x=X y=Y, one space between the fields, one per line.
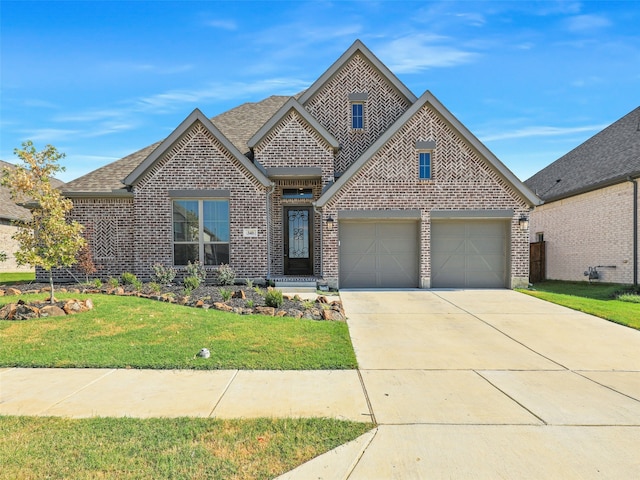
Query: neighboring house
x=9 y=214
x=590 y=214
x=355 y=182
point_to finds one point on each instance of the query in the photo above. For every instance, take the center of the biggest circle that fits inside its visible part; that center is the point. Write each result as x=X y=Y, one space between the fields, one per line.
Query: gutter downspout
x=268 y=206
x=635 y=229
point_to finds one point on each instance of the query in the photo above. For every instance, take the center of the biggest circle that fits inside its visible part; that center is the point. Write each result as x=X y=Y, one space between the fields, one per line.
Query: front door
x=298 y=241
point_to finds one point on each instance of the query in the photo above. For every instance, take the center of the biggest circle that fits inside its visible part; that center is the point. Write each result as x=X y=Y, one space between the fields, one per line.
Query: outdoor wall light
x=523 y=222
x=330 y=222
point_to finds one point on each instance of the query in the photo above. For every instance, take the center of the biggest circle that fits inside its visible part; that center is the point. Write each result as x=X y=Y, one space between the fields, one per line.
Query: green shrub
x=259 y=291
x=250 y=304
x=249 y=283
x=190 y=284
x=154 y=287
x=196 y=269
x=128 y=278
x=629 y=297
x=96 y=283
x=225 y=275
x=273 y=298
x=137 y=284
x=163 y=275
x=225 y=293
x=113 y=282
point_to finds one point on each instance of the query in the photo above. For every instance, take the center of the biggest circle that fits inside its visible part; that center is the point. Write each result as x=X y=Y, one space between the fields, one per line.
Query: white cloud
x=587 y=23
x=415 y=53
x=223 y=24
x=50 y=135
x=540 y=131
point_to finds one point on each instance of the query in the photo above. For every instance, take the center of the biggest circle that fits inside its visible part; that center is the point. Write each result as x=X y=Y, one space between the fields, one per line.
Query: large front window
x=201 y=231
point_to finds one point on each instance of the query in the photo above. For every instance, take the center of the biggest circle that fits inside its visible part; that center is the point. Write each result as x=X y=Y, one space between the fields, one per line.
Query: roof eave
x=196 y=115
x=595 y=186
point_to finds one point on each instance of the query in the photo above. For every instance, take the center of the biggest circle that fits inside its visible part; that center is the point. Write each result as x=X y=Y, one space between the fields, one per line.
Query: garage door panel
x=378 y=254
x=469 y=254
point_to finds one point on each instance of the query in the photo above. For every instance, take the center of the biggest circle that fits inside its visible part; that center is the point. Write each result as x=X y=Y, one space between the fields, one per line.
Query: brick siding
x=331 y=107
x=199 y=161
x=9 y=246
x=587 y=230
x=462 y=180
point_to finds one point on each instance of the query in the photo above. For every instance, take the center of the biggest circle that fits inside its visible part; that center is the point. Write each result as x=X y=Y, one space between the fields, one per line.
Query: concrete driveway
x=488 y=384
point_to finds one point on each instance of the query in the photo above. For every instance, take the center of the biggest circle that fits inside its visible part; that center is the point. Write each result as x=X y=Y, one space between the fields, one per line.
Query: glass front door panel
x=298 y=233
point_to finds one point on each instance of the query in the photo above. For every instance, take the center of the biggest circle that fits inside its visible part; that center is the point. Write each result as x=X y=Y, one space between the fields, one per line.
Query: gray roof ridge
x=428 y=97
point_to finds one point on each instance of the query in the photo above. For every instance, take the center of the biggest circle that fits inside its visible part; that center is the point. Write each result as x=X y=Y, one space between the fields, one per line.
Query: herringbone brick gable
x=331 y=107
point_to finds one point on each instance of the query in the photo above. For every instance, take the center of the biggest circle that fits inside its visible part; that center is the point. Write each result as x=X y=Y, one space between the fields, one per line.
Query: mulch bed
x=245 y=301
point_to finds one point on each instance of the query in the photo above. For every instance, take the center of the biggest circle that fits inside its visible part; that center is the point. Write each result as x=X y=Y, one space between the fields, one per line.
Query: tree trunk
x=52 y=300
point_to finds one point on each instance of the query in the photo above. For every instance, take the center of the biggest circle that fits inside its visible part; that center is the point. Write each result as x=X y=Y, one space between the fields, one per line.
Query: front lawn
x=7 y=278
x=595 y=298
x=182 y=448
x=131 y=332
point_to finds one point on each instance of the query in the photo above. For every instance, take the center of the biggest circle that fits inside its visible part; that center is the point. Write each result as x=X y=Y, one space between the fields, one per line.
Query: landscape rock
x=12 y=291
x=1 y=293
x=52 y=311
x=332 y=315
x=223 y=307
x=25 y=312
x=281 y=313
x=199 y=304
x=239 y=294
x=266 y=311
x=8 y=311
x=322 y=299
x=88 y=304
x=295 y=313
x=73 y=306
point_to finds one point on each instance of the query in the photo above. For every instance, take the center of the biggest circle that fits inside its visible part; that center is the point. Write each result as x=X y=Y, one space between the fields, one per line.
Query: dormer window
x=357 y=101
x=425 y=150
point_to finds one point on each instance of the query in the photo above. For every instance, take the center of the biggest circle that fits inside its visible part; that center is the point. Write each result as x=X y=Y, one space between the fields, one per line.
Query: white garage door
x=469 y=253
x=380 y=254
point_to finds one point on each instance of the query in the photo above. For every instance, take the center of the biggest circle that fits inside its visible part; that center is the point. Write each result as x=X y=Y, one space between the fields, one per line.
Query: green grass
x=596 y=298
x=8 y=278
x=183 y=448
x=132 y=332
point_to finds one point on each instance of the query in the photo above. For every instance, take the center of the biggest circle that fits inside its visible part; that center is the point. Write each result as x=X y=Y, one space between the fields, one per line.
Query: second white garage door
x=380 y=254
x=469 y=253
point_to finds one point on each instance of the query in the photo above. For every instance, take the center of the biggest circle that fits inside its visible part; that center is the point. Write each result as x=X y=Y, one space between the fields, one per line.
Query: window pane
x=216 y=253
x=356 y=115
x=185 y=221
x=183 y=253
x=425 y=165
x=216 y=221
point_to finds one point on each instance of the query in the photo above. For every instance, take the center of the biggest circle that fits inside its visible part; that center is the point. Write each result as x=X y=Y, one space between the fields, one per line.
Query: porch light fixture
x=330 y=222
x=523 y=222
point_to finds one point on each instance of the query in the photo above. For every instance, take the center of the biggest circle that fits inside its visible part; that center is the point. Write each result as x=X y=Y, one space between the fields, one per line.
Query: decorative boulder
x=52 y=311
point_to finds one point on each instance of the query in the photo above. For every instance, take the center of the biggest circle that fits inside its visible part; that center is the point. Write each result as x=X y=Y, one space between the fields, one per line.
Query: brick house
x=590 y=212
x=354 y=182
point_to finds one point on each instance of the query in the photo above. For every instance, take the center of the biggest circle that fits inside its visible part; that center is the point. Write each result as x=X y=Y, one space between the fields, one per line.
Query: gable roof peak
x=357 y=46
x=292 y=104
x=187 y=123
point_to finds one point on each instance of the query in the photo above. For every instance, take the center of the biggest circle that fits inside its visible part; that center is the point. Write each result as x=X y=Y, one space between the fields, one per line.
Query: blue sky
x=100 y=80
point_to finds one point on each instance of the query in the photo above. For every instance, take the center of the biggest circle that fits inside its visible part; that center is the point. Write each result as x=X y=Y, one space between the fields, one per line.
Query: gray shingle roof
x=8 y=209
x=605 y=159
x=238 y=125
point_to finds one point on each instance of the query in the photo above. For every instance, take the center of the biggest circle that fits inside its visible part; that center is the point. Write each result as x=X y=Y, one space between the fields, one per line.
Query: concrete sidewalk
x=78 y=393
